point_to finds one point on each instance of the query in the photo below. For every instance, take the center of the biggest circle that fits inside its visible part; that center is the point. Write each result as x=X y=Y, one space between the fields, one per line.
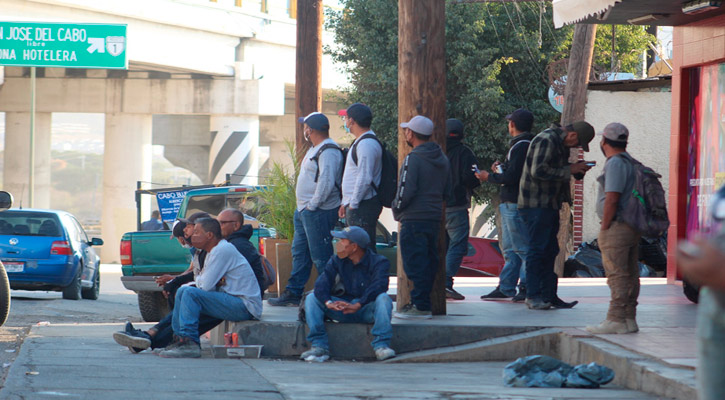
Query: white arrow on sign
x=97 y=44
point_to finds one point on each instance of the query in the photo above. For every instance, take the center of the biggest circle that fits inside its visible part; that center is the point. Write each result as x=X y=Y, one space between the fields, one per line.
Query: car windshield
x=29 y=223
x=249 y=204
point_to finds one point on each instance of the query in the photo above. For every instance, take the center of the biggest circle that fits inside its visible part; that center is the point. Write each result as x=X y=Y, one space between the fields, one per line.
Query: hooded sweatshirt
x=424 y=184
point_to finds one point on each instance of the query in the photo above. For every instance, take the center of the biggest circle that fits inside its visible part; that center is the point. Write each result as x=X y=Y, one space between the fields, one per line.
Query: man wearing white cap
x=318 y=200
x=618 y=241
x=423 y=185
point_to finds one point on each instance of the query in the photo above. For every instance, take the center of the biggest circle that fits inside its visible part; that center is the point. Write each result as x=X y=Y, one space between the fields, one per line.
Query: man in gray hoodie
x=423 y=185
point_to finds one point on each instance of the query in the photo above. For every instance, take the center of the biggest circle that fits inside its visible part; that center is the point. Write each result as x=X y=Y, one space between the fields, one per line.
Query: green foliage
x=631 y=41
x=279 y=197
x=497 y=60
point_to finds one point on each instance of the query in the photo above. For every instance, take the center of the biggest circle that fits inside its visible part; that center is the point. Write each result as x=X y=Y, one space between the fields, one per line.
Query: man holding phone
x=618 y=241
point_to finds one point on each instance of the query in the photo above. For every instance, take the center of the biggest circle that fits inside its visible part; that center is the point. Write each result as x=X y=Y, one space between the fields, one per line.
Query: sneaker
x=561 y=304
x=632 y=325
x=537 y=304
x=383 y=353
x=316 y=354
x=497 y=294
x=607 y=327
x=286 y=299
x=453 y=294
x=135 y=339
x=158 y=350
x=520 y=296
x=186 y=349
x=410 y=311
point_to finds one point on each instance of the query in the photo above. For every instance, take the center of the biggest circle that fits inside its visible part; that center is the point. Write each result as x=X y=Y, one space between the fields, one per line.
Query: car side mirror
x=394 y=238
x=6 y=200
x=96 y=242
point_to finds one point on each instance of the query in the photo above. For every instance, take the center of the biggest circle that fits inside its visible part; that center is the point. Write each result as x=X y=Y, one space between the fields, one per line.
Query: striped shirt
x=545 y=179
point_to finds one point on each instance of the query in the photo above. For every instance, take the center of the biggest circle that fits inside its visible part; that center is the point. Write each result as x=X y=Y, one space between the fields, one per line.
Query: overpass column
x=17 y=155
x=235 y=140
x=127 y=158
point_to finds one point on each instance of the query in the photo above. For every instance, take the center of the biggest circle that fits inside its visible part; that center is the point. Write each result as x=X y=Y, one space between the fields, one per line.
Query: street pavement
x=81 y=360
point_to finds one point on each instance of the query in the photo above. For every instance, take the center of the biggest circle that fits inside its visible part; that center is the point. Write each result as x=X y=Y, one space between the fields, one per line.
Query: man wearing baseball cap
x=618 y=242
x=318 y=201
x=543 y=188
x=363 y=298
x=424 y=184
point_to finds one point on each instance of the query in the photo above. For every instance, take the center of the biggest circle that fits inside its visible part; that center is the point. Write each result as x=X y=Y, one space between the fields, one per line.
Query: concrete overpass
x=210 y=81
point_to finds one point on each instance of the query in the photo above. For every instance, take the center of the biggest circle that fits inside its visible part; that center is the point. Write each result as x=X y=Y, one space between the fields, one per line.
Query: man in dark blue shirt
x=352 y=288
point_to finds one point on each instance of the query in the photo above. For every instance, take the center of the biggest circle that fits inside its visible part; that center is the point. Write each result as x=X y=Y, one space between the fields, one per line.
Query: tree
x=497 y=59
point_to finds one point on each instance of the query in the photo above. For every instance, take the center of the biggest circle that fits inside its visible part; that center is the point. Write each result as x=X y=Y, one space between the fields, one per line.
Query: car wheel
x=92 y=292
x=153 y=306
x=73 y=291
x=4 y=295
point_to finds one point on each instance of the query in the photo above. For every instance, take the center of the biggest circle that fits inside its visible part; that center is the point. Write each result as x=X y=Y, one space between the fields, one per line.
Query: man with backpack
x=618 y=241
x=318 y=200
x=424 y=184
x=462 y=161
x=361 y=203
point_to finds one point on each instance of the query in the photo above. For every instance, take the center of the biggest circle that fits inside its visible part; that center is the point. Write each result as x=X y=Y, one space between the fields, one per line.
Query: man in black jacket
x=237 y=233
x=514 y=237
x=424 y=184
x=462 y=161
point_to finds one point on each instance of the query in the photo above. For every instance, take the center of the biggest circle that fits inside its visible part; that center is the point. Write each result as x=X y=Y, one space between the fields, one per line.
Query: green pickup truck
x=145 y=254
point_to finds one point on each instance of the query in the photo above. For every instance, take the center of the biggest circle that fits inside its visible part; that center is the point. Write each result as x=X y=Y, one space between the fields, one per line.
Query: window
x=28 y=223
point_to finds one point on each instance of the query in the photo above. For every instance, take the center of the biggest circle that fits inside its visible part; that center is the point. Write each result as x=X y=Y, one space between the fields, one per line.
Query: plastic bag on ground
x=588 y=260
x=545 y=371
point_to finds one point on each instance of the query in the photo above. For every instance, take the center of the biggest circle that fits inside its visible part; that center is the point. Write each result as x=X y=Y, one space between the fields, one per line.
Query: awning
x=572 y=11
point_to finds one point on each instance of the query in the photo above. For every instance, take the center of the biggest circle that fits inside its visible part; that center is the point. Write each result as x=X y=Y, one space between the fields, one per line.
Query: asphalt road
x=114 y=305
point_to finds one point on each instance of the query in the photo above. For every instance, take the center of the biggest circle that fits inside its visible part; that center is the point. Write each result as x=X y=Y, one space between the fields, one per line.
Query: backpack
x=270 y=275
x=646 y=210
x=316 y=159
x=389 y=174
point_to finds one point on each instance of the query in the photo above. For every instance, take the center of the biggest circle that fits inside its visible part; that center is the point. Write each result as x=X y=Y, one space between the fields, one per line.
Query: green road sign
x=48 y=44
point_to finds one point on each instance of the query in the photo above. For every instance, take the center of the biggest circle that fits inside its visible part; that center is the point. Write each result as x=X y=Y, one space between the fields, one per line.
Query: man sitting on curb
x=226 y=289
x=364 y=277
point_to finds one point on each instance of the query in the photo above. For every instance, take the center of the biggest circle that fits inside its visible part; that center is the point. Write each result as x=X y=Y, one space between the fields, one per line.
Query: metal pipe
x=31 y=171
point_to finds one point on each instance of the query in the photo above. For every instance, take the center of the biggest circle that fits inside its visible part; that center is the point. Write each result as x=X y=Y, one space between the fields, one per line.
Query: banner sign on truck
x=169 y=204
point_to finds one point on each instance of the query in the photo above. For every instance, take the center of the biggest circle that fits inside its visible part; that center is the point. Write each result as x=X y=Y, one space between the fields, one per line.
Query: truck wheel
x=153 y=306
x=73 y=291
x=4 y=295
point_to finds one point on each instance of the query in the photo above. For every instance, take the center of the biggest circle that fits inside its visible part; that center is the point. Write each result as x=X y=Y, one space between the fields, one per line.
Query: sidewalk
x=83 y=361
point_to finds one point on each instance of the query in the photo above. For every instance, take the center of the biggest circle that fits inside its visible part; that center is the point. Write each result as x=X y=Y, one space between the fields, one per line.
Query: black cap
x=454 y=128
x=522 y=118
x=361 y=113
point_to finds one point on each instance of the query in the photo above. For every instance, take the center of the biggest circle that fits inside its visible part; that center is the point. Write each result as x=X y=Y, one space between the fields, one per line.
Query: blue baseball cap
x=354 y=234
x=316 y=120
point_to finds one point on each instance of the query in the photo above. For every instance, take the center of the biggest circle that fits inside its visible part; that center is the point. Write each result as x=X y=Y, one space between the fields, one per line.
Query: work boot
x=410 y=311
x=537 y=304
x=383 y=353
x=286 y=299
x=135 y=339
x=632 y=325
x=496 y=294
x=608 y=327
x=520 y=296
x=559 y=303
x=317 y=354
x=187 y=348
x=453 y=294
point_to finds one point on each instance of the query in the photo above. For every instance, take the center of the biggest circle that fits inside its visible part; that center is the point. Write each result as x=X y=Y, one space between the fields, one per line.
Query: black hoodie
x=240 y=240
x=423 y=185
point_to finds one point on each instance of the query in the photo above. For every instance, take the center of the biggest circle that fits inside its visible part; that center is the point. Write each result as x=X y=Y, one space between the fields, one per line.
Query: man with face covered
x=363 y=298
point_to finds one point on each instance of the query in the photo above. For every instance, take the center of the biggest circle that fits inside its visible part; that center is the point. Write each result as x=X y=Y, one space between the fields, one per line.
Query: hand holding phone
x=475 y=169
x=590 y=163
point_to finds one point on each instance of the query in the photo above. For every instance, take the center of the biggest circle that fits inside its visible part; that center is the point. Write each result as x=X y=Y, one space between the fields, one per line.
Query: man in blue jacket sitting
x=360 y=295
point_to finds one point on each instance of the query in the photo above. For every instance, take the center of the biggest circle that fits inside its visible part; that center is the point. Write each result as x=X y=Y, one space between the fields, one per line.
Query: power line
x=513 y=78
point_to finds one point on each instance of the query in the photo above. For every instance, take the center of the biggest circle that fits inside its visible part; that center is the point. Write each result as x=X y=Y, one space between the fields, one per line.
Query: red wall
x=694 y=45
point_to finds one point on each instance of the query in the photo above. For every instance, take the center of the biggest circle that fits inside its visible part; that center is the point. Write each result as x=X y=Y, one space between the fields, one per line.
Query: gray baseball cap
x=420 y=125
x=616 y=132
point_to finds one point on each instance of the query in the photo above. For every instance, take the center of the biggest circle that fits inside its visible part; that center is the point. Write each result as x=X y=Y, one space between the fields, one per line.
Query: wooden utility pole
x=575 y=100
x=422 y=91
x=308 y=71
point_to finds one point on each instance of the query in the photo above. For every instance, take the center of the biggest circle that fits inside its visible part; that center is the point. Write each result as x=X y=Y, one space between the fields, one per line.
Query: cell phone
x=689 y=249
x=590 y=163
x=475 y=169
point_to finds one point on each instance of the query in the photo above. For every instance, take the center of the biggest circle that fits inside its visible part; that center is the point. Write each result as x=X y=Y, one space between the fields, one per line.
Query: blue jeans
x=514 y=246
x=419 y=249
x=165 y=333
x=312 y=243
x=543 y=226
x=378 y=312
x=192 y=302
x=458 y=228
x=366 y=216
x=710 y=345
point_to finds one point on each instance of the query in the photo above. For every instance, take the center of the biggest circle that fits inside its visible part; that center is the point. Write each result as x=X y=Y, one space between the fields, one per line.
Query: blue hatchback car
x=49 y=250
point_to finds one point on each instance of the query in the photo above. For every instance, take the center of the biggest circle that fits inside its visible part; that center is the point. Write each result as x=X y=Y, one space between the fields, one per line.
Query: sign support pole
x=31 y=171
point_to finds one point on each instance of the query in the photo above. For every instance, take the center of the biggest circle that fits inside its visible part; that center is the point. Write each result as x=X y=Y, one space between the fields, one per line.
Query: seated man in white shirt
x=226 y=289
